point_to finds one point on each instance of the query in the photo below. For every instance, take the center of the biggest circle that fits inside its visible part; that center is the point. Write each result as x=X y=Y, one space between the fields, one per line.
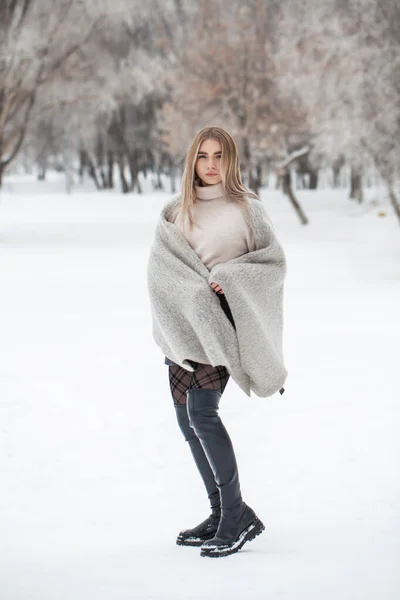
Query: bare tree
x=223 y=70
x=40 y=41
x=140 y=79
x=342 y=60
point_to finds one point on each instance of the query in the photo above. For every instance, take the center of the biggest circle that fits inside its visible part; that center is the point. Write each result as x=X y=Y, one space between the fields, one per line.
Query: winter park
x=101 y=105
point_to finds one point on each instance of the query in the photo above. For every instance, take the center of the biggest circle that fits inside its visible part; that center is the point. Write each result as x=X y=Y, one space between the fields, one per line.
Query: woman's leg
x=213 y=378
x=205 y=377
x=238 y=523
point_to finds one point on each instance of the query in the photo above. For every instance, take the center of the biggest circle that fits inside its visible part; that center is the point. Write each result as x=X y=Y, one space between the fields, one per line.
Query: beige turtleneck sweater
x=220 y=232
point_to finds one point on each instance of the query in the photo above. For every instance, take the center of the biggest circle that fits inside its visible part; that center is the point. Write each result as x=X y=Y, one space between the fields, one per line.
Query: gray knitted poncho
x=188 y=321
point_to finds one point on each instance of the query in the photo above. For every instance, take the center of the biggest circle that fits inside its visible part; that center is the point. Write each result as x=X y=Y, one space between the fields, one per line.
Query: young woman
x=215 y=248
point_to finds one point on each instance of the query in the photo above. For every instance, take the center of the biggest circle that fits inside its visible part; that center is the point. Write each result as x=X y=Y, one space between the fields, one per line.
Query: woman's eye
x=202 y=156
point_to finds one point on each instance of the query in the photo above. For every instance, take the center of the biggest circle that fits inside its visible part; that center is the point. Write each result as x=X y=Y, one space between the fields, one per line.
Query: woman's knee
x=202 y=407
x=184 y=423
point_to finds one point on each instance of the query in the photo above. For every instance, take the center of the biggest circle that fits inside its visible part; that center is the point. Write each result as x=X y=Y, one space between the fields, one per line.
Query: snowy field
x=95 y=477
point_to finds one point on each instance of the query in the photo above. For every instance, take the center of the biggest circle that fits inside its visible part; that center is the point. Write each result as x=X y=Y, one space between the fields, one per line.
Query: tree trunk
x=265 y=175
x=110 y=170
x=394 y=200
x=2 y=165
x=388 y=180
x=336 y=168
x=92 y=173
x=313 y=180
x=172 y=174
x=104 y=182
x=159 y=180
x=258 y=178
x=300 y=184
x=124 y=183
x=254 y=180
x=288 y=191
x=132 y=171
x=42 y=173
x=42 y=161
x=336 y=177
x=82 y=164
x=254 y=177
x=356 y=191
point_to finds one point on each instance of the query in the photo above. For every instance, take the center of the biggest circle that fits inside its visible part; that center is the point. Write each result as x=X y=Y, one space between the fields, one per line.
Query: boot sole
x=193 y=541
x=248 y=534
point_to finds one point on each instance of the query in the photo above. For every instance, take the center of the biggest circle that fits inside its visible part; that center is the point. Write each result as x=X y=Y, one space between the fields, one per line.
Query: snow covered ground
x=95 y=478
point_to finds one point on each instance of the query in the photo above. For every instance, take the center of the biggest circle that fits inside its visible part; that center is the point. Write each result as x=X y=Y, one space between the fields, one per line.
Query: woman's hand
x=216 y=288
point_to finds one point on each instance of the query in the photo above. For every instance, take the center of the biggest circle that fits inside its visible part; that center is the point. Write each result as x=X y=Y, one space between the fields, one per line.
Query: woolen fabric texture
x=227 y=311
x=188 y=323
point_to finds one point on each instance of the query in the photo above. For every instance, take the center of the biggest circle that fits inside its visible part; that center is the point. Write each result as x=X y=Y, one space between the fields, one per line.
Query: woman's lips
x=211 y=174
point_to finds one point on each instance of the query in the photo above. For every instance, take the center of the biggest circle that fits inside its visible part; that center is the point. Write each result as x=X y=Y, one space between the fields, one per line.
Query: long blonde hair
x=229 y=171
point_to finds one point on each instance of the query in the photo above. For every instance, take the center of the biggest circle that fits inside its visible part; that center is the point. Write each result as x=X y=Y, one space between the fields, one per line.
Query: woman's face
x=208 y=163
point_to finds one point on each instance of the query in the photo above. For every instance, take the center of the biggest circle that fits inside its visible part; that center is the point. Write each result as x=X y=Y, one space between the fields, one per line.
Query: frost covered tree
x=117 y=130
x=221 y=71
x=41 y=42
x=381 y=91
x=341 y=59
x=125 y=85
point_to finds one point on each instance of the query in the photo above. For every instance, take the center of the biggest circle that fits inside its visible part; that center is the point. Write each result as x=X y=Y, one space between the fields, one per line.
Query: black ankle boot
x=207 y=529
x=234 y=530
x=201 y=533
x=238 y=523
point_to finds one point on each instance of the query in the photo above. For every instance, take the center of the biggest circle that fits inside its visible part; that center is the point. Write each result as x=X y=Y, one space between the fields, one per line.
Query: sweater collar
x=209 y=192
